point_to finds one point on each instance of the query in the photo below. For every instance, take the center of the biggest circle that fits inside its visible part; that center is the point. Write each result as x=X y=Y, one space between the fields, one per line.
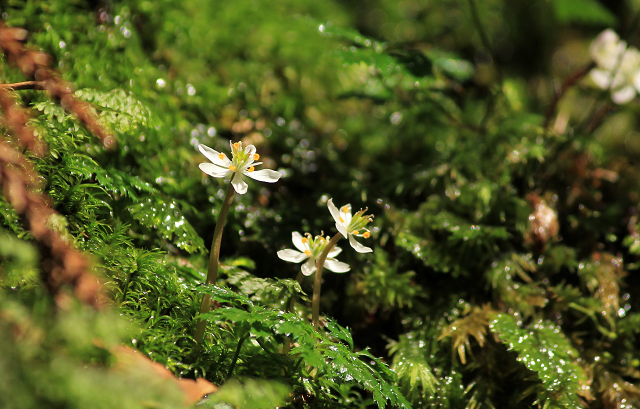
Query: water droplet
x=395 y=118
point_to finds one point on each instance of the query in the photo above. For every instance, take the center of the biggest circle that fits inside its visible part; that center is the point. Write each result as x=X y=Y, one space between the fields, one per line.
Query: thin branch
x=317 y=283
x=20 y=86
x=214 y=261
x=568 y=83
x=484 y=38
x=35 y=64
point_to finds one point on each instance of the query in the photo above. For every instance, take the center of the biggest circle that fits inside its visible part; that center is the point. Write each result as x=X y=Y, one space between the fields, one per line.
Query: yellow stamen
x=366 y=235
x=307 y=252
x=355 y=232
x=256 y=157
x=345 y=209
x=236 y=146
x=221 y=155
x=304 y=240
x=251 y=169
x=232 y=167
x=341 y=220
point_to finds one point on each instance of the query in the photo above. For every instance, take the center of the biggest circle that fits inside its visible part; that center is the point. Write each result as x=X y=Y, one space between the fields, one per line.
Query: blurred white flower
x=351 y=226
x=311 y=249
x=241 y=163
x=606 y=49
x=618 y=66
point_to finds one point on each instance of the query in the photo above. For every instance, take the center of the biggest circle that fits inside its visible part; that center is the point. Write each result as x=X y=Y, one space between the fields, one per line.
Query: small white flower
x=612 y=56
x=351 y=226
x=241 y=163
x=311 y=249
x=606 y=49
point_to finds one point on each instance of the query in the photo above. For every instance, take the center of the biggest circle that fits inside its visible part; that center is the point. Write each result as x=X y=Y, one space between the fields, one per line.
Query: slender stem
x=214 y=261
x=568 y=83
x=315 y=301
x=126 y=286
x=485 y=39
x=236 y=355
x=286 y=346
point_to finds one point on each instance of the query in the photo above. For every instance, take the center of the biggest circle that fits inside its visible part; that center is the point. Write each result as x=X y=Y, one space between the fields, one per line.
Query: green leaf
x=582 y=11
x=250 y=393
x=544 y=349
x=164 y=216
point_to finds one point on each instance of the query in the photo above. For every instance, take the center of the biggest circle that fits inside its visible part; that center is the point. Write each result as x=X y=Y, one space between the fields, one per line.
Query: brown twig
x=62 y=264
x=35 y=64
x=568 y=83
x=19 y=86
x=16 y=117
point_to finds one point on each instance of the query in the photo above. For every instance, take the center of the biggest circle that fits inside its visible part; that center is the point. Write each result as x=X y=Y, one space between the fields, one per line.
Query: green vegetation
x=503 y=181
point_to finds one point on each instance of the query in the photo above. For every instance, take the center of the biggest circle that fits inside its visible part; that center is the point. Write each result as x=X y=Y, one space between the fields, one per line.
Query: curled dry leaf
x=543 y=223
x=604 y=285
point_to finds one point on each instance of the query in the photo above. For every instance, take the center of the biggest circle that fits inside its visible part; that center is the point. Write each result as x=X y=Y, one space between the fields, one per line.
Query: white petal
x=213 y=156
x=250 y=150
x=264 y=175
x=601 y=78
x=636 y=80
x=239 y=185
x=214 y=170
x=357 y=246
x=336 y=266
x=292 y=255
x=346 y=215
x=296 y=238
x=623 y=95
x=334 y=252
x=334 y=211
x=309 y=267
x=342 y=229
x=606 y=49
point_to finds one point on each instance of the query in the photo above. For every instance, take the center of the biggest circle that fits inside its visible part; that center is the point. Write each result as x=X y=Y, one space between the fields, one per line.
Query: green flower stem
x=315 y=301
x=126 y=285
x=286 y=346
x=212 y=272
x=236 y=355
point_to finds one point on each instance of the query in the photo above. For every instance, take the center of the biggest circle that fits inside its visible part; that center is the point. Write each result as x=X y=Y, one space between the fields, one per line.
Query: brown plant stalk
x=35 y=64
x=62 y=265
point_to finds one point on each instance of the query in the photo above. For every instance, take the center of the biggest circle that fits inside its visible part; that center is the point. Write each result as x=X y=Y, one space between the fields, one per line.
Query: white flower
x=606 y=49
x=311 y=249
x=612 y=56
x=241 y=163
x=351 y=226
